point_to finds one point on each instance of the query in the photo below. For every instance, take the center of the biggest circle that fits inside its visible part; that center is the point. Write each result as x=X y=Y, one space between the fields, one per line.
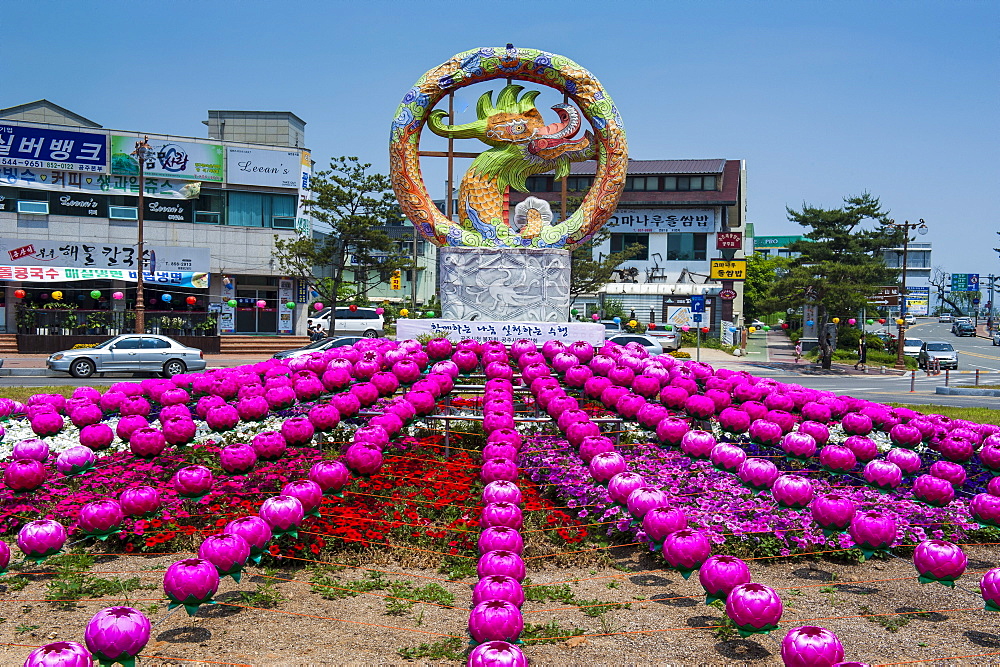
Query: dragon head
x=521 y=141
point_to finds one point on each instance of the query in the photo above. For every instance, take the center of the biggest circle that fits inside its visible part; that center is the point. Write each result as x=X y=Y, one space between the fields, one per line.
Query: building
x=919 y=291
x=775 y=246
x=684 y=214
x=69 y=221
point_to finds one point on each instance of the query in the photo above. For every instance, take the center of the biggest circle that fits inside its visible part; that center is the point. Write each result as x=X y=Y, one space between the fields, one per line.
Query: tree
x=761 y=273
x=839 y=266
x=940 y=280
x=356 y=205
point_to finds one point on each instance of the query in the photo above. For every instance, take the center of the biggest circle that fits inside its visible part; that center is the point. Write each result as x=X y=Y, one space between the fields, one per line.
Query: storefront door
x=250 y=318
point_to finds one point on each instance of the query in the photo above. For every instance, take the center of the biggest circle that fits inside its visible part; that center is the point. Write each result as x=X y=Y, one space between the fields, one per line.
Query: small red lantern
x=784 y=325
x=19 y=293
x=651 y=326
x=881 y=320
x=191 y=300
x=704 y=330
x=352 y=308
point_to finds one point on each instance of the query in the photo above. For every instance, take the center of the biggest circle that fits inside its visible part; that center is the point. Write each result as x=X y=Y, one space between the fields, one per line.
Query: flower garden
x=475 y=467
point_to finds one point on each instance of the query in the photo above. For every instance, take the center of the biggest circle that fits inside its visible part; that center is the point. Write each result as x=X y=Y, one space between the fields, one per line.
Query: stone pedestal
x=505 y=284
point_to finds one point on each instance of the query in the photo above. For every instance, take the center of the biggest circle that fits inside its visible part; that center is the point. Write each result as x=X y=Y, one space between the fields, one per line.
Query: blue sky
x=822 y=99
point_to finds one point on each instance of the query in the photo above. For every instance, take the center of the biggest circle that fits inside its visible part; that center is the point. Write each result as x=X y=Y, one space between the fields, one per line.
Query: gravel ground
x=665 y=624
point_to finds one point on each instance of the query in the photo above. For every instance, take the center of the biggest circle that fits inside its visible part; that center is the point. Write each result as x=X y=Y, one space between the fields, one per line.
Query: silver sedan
x=129 y=353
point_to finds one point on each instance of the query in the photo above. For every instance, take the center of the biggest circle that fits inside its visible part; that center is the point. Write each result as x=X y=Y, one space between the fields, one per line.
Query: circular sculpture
x=520 y=145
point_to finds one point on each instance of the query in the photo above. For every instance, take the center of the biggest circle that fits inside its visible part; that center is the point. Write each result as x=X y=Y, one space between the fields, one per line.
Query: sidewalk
x=34 y=364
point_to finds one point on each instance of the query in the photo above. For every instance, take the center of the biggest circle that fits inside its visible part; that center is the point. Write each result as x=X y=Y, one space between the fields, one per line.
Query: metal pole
x=698 y=337
x=902 y=296
x=141 y=147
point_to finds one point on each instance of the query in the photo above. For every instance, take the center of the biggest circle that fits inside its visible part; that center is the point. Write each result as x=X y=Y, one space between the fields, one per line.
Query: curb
x=966 y=391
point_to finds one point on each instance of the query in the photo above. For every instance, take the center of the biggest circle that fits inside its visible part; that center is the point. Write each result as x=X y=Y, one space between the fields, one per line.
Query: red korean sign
x=728 y=241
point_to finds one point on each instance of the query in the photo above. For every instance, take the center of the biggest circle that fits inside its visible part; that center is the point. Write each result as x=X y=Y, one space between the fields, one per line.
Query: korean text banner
x=256 y=166
x=664 y=220
x=506 y=332
x=94 y=254
x=58 y=274
x=106 y=184
x=42 y=148
x=169 y=159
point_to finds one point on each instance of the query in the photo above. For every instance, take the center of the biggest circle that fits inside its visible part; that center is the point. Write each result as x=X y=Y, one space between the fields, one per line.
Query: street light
x=142 y=152
x=906 y=226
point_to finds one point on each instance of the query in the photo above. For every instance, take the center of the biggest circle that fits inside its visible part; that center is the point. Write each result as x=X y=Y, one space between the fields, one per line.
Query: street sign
x=728 y=269
x=728 y=241
x=727 y=294
x=965 y=282
x=394 y=281
x=697 y=304
x=886 y=296
x=975 y=302
x=696 y=317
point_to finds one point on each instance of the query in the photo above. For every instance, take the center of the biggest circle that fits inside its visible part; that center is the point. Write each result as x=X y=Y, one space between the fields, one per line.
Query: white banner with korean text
x=98 y=184
x=703 y=220
x=505 y=332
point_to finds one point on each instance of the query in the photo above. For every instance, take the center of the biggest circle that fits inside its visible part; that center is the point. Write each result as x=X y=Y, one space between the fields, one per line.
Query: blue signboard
x=41 y=148
x=697 y=304
x=696 y=317
x=965 y=282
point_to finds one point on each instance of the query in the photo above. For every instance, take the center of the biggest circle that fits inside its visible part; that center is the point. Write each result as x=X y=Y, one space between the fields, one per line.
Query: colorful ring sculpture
x=520 y=145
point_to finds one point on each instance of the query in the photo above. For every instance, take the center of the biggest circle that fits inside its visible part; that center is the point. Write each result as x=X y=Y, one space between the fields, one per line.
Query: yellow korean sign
x=729 y=269
x=394 y=281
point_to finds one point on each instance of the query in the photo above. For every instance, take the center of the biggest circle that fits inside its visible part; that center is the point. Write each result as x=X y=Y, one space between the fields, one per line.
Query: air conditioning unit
x=33 y=207
x=283 y=222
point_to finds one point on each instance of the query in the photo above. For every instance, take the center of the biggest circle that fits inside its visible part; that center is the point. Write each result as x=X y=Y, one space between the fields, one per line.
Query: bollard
x=977 y=377
x=913 y=381
x=947 y=374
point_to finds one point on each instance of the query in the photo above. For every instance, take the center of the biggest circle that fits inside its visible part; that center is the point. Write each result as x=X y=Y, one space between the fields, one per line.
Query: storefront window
x=687 y=247
x=619 y=242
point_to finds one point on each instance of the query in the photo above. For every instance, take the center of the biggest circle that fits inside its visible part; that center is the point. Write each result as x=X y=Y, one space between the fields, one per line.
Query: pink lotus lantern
x=4 y=556
x=819 y=432
x=238 y=458
x=798 y=445
x=904 y=435
x=127 y=425
x=660 y=522
x=989 y=456
x=500 y=538
x=792 y=492
x=734 y=420
x=698 y=444
x=147 y=442
x=671 y=431
x=837 y=459
x=811 y=646
x=498 y=587
x=699 y=407
x=765 y=432
x=644 y=499
x=135 y=405
x=363 y=458
x=331 y=476
x=190 y=583
x=720 y=574
x=298 y=431
x=495 y=620
x=139 y=501
x=959 y=450
x=758 y=474
x=856 y=423
x=907 y=460
x=652 y=414
x=985 y=509
x=833 y=512
x=501 y=514
x=254 y=530
x=754 y=608
x=179 y=431
x=500 y=562
x=494 y=450
x=117 y=634
x=24 y=475
x=864 y=449
x=280 y=398
x=727 y=457
x=933 y=491
x=46 y=424
x=989 y=587
x=269 y=445
x=222 y=418
x=61 y=654
x=685 y=550
x=283 y=514
x=192 y=481
x=497 y=654
x=309 y=493
x=100 y=518
x=872 y=531
x=621 y=486
x=883 y=475
x=606 y=465
x=75 y=460
x=816 y=412
x=85 y=415
x=497 y=469
x=502 y=491
x=952 y=473
x=40 y=539
x=939 y=560
x=31 y=448
x=252 y=408
x=227 y=552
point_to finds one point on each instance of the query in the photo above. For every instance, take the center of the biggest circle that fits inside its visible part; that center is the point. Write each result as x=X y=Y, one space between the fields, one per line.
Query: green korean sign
x=183 y=160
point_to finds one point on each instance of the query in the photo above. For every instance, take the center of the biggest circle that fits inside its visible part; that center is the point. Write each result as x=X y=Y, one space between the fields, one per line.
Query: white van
x=361 y=322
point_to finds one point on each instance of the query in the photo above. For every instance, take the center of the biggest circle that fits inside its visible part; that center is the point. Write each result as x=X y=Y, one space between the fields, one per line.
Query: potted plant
x=96 y=323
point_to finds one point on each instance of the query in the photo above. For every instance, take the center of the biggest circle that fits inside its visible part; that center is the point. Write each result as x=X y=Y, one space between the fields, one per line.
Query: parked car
x=361 y=321
x=652 y=345
x=129 y=353
x=758 y=324
x=612 y=328
x=958 y=321
x=945 y=318
x=668 y=340
x=996 y=337
x=909 y=319
x=944 y=353
x=911 y=346
x=965 y=329
x=318 y=346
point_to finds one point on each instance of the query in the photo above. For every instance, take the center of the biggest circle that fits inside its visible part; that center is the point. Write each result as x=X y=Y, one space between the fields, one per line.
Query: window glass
x=689 y=247
x=620 y=242
x=127 y=344
x=154 y=343
x=683 y=182
x=709 y=182
x=696 y=182
x=579 y=183
x=538 y=184
x=669 y=182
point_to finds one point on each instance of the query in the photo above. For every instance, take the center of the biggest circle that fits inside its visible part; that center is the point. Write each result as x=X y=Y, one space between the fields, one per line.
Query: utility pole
x=906 y=226
x=141 y=153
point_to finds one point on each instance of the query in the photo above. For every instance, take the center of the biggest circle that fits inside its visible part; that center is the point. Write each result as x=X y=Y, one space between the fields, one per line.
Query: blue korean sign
x=697 y=304
x=41 y=148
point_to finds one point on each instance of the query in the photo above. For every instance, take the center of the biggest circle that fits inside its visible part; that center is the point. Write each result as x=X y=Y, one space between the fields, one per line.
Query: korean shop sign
x=184 y=160
x=728 y=269
x=42 y=148
x=256 y=166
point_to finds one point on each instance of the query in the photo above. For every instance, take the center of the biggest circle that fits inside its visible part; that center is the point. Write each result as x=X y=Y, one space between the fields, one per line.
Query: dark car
x=965 y=329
